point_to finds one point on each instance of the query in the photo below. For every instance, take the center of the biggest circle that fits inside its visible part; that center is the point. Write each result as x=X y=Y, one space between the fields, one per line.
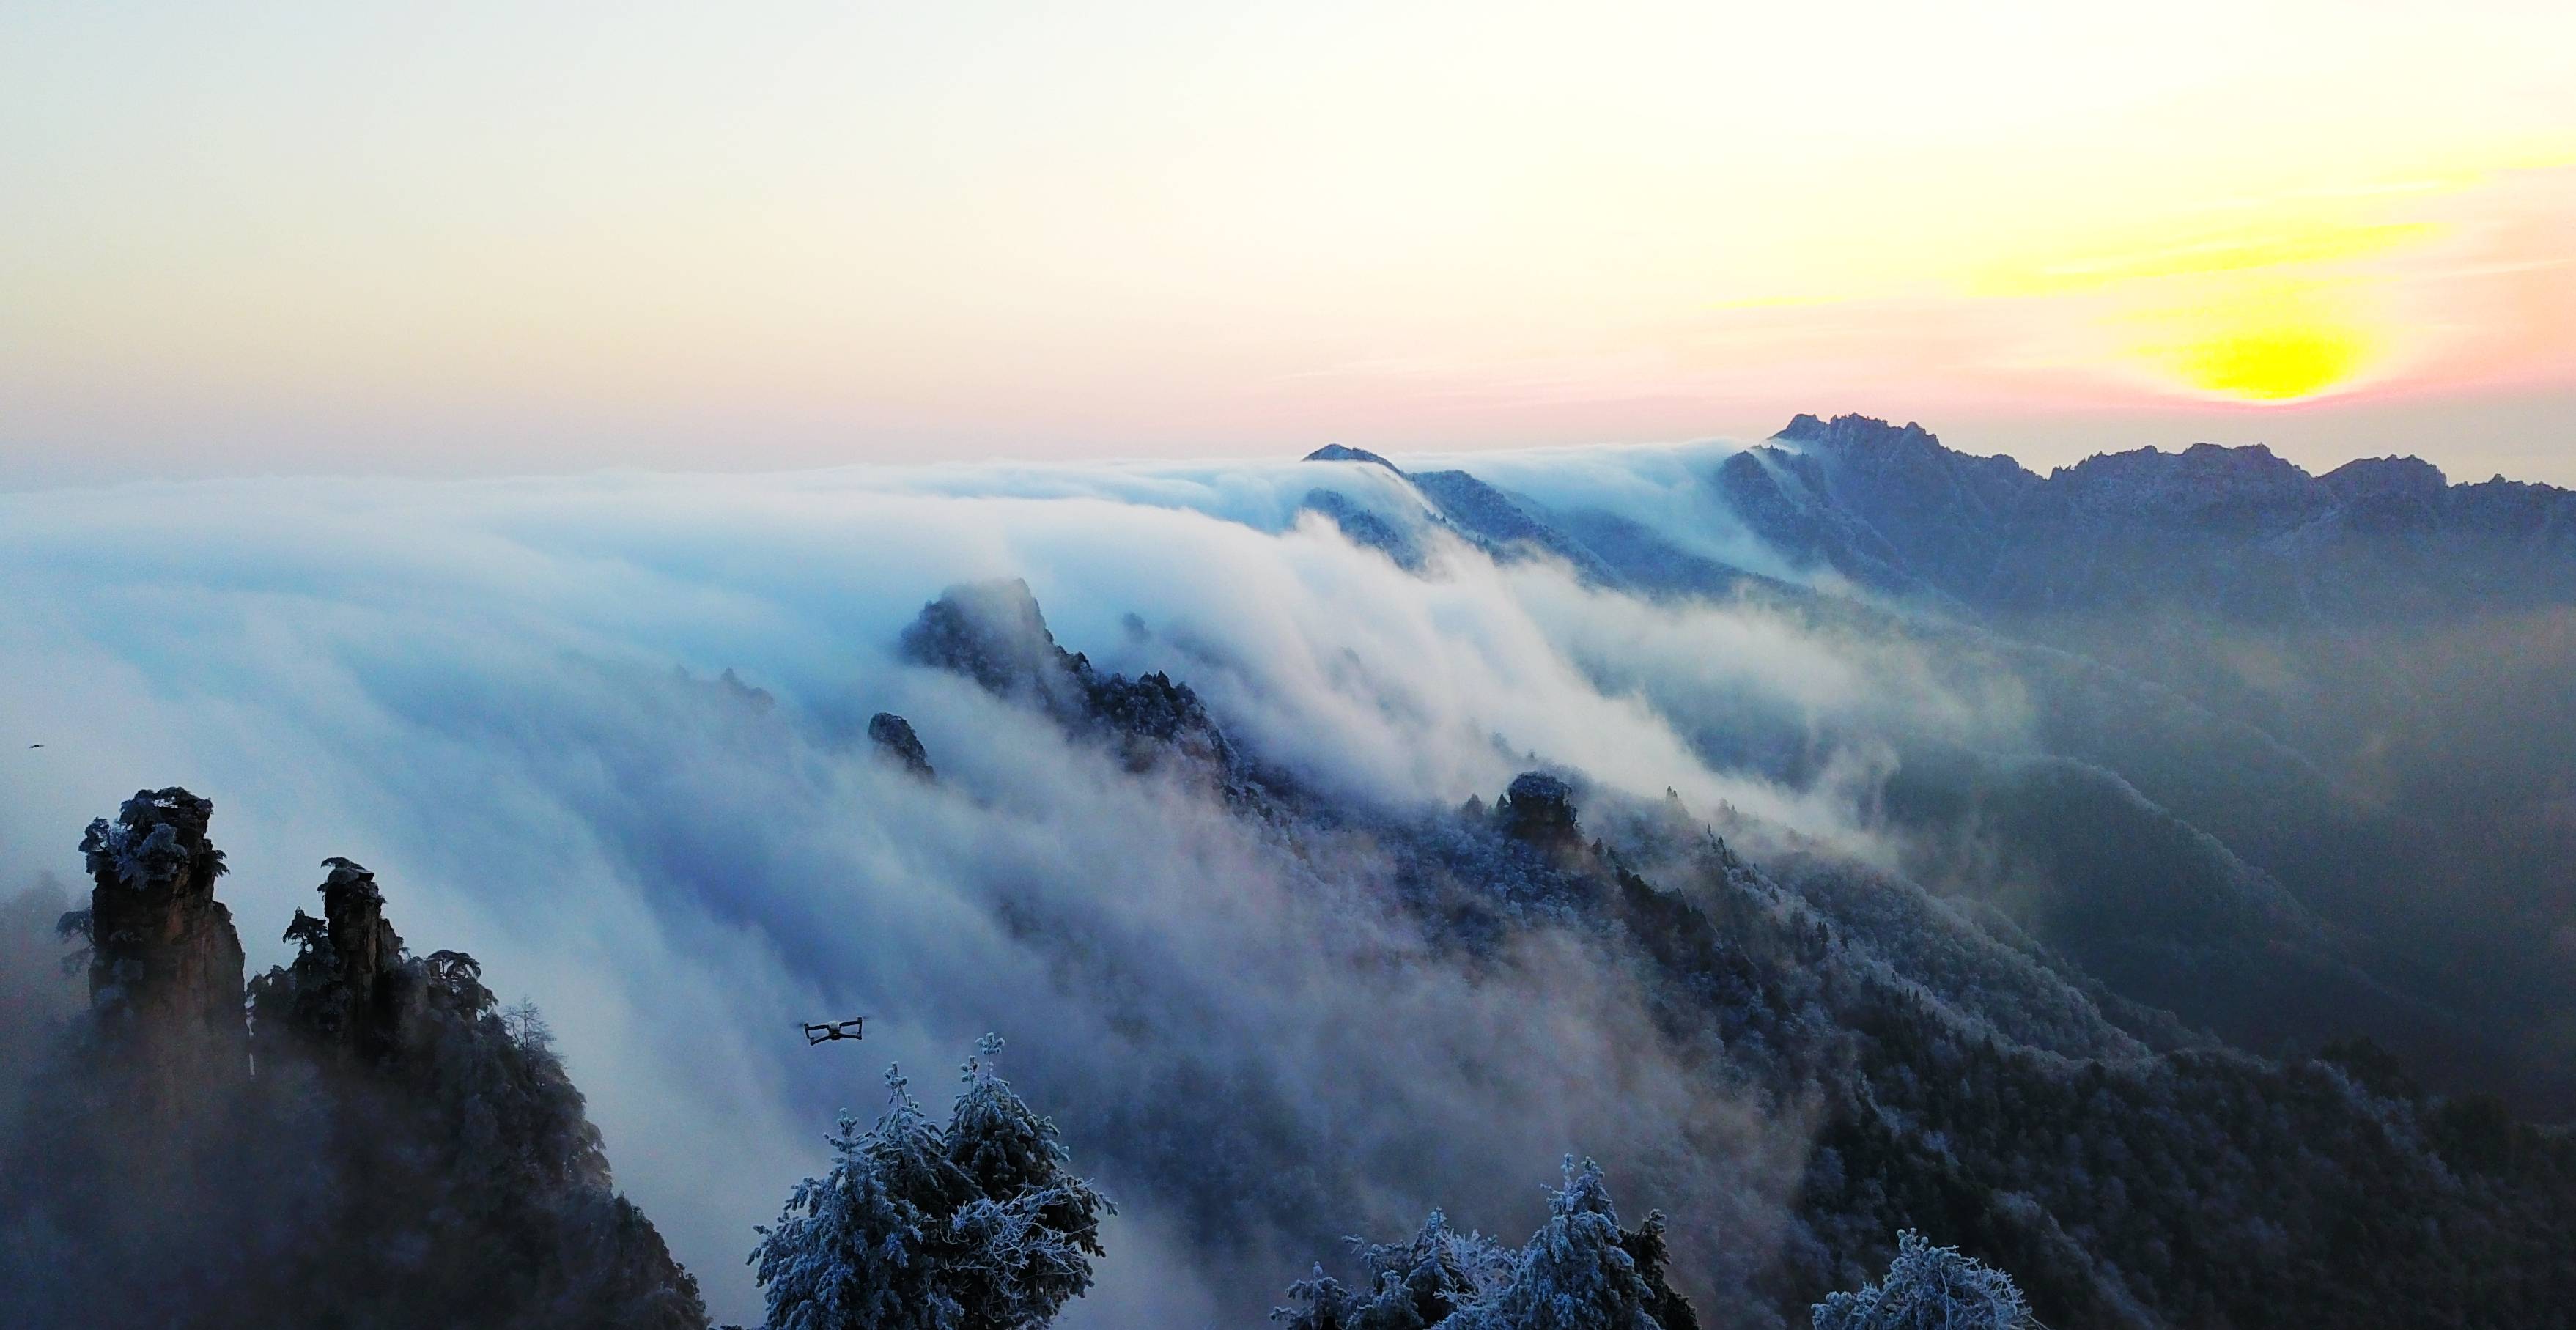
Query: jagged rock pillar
x=165 y=973
x=893 y=735
x=1539 y=808
x=348 y=992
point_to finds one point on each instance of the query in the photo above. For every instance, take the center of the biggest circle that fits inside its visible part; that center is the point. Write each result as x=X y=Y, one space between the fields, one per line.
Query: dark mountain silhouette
x=1465 y=507
x=1965 y=1077
x=2405 y=640
x=2237 y=533
x=377 y=1144
x=2354 y=685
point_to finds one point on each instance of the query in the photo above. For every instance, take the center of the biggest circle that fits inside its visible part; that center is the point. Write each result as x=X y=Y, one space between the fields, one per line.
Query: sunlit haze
x=489 y=238
x=1139 y=665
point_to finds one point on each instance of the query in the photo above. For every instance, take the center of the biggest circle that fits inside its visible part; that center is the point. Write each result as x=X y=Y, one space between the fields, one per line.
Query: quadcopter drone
x=828 y=1030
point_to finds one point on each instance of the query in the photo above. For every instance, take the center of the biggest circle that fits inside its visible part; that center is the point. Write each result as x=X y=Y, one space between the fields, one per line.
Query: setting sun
x=1938 y=640
x=2272 y=364
x=2264 y=339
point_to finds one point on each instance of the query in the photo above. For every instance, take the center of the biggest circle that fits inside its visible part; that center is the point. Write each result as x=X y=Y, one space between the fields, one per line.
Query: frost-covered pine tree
x=1410 y=1285
x=978 y=1227
x=1575 y=1274
x=1580 y=1271
x=1929 y=1288
x=857 y=1246
x=1024 y=1244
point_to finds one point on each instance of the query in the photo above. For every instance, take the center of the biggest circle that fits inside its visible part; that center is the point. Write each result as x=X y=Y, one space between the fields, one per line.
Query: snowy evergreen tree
x=1024 y=1243
x=976 y=1227
x=1580 y=1271
x=1575 y=1274
x=1411 y=1285
x=1929 y=1288
x=855 y=1246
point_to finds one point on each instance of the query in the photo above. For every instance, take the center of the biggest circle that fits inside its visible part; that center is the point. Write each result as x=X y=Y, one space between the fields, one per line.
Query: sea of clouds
x=505 y=698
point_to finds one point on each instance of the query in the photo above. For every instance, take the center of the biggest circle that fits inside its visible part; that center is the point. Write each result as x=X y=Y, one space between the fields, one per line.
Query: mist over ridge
x=2084 y=764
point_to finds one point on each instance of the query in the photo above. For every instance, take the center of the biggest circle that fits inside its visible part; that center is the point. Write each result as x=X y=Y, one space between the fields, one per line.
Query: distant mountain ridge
x=1960 y=1073
x=1466 y=507
x=2238 y=529
x=1893 y=511
x=2298 y=665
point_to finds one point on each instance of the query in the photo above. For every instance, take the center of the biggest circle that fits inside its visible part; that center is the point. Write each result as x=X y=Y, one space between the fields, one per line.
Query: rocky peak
x=2239 y=529
x=1505 y=528
x=1334 y=452
x=2377 y=477
x=355 y=907
x=1861 y=437
x=165 y=973
x=174 y=1178
x=2200 y=479
x=1909 y=453
x=348 y=978
x=2251 y=459
x=1804 y=427
x=157 y=843
x=1539 y=808
x=893 y=735
x=993 y=633
x=1858 y=433
x=758 y=699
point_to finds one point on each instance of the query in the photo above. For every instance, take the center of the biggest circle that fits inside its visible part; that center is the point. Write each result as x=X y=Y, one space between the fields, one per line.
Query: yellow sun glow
x=2272 y=338
x=2271 y=364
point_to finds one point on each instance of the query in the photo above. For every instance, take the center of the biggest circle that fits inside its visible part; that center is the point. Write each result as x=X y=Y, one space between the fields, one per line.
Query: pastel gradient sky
x=474 y=238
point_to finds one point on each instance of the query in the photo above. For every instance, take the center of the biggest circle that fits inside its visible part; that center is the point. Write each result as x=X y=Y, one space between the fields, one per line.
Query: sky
x=500 y=239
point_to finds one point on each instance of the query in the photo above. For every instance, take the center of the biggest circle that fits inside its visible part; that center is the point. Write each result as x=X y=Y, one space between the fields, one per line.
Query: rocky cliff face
x=1539 y=809
x=382 y=1146
x=345 y=993
x=994 y=634
x=893 y=736
x=1783 y=497
x=165 y=972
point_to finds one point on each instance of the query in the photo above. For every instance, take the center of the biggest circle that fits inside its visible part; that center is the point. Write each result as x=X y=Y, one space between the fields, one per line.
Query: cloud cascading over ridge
x=503 y=698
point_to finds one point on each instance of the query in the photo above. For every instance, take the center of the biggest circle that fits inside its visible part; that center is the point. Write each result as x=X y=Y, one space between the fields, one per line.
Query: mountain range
x=2258 y=666
x=2152 y=877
